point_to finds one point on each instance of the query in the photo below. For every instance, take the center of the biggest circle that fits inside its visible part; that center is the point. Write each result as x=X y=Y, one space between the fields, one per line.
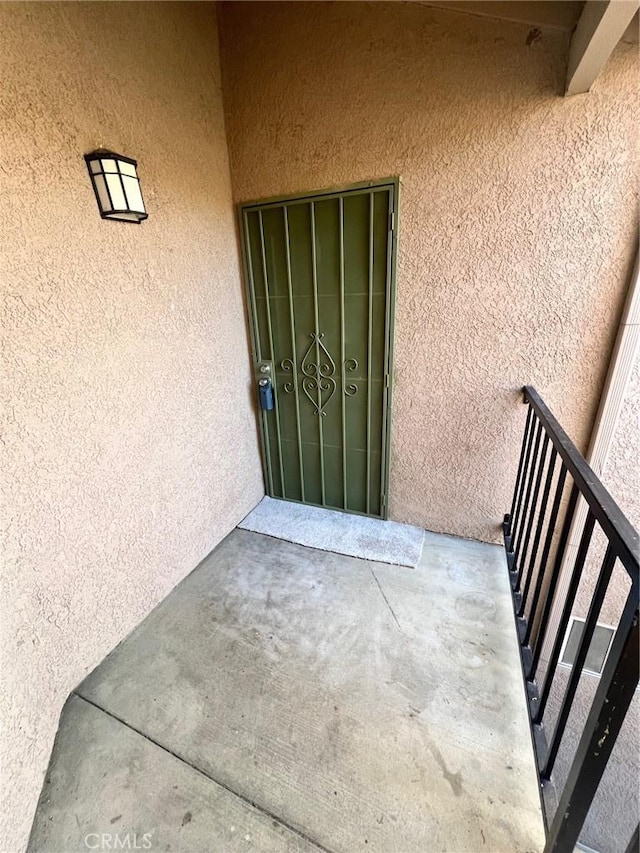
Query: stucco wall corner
x=128 y=437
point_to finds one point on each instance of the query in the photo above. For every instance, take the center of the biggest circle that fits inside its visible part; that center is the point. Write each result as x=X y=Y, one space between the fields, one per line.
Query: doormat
x=329 y=530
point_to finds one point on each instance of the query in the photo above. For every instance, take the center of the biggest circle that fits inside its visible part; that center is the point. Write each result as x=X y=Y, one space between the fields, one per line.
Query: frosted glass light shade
x=116 y=186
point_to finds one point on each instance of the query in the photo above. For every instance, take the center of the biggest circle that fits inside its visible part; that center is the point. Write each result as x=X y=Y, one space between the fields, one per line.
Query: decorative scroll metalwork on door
x=318 y=383
x=320 y=284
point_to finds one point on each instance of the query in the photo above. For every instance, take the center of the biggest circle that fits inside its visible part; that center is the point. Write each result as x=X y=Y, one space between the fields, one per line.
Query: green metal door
x=320 y=281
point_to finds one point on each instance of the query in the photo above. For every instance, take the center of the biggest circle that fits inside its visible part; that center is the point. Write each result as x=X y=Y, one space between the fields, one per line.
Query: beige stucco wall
x=517 y=215
x=621 y=474
x=129 y=443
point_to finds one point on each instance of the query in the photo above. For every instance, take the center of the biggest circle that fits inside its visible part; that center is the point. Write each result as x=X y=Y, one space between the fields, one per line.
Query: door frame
x=245 y=207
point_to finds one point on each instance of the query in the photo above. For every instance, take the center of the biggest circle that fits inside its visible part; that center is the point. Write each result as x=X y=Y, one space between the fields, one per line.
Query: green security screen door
x=320 y=281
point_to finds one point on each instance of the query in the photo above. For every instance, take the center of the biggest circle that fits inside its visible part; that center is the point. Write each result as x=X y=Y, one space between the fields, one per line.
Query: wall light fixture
x=116 y=185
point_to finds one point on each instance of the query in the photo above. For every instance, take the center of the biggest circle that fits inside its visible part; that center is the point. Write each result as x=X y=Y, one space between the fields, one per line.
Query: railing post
x=610 y=705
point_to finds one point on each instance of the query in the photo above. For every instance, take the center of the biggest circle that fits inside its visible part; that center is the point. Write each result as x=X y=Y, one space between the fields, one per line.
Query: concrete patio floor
x=288 y=699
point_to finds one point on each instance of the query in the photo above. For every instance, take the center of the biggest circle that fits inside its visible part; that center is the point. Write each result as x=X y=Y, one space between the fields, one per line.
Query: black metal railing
x=552 y=478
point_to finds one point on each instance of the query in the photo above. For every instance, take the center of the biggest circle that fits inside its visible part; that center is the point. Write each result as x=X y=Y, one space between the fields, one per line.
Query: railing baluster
x=534 y=503
x=527 y=499
x=581 y=556
x=615 y=526
x=553 y=518
x=520 y=473
x=608 y=710
x=581 y=656
x=553 y=582
x=525 y=471
x=542 y=512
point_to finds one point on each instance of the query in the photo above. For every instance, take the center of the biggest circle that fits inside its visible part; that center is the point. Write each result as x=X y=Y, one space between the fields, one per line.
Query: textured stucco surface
x=621 y=473
x=129 y=439
x=517 y=215
x=621 y=476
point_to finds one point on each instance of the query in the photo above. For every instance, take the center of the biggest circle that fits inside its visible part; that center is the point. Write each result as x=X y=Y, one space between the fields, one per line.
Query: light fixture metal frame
x=113 y=214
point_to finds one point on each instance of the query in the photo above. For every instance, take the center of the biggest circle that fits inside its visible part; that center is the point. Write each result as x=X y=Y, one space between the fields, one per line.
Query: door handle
x=265 y=392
